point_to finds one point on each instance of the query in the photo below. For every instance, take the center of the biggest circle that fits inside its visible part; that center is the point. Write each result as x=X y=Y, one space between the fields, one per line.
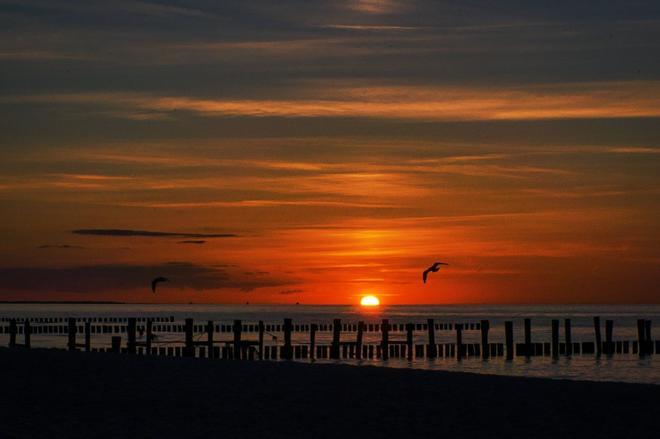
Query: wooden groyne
x=337 y=340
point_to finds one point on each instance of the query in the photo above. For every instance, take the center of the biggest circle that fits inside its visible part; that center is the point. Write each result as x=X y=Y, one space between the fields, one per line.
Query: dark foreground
x=50 y=393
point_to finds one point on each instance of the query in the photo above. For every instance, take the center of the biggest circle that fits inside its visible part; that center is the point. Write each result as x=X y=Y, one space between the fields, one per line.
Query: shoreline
x=54 y=393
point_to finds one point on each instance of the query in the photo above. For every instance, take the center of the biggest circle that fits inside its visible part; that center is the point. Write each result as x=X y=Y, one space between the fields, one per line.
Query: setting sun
x=370 y=301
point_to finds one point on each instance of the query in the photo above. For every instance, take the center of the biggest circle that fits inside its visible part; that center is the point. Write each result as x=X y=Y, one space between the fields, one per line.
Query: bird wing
x=156 y=281
x=425 y=275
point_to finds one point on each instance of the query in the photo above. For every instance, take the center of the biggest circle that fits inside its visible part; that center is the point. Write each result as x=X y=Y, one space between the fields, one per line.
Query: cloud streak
x=426 y=103
x=149 y=234
x=94 y=279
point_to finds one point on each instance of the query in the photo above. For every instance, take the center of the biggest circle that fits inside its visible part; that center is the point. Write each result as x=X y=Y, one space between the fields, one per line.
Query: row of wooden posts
x=240 y=348
x=45 y=326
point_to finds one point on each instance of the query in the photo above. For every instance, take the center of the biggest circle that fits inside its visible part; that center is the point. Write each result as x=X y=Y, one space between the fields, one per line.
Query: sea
x=619 y=367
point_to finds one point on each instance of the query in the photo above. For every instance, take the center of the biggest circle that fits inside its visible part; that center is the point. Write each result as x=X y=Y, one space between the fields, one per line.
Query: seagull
x=156 y=281
x=433 y=268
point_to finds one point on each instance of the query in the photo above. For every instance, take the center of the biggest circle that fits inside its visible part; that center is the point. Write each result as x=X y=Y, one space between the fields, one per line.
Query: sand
x=52 y=393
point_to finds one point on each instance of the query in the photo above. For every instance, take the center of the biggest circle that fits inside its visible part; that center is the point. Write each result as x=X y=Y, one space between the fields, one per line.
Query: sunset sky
x=314 y=152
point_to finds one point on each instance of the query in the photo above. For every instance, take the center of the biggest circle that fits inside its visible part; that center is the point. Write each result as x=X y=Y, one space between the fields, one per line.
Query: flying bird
x=432 y=269
x=156 y=281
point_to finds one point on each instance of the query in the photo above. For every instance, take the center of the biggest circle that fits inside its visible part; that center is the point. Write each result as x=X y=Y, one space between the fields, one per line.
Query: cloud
x=589 y=100
x=195 y=241
x=62 y=246
x=91 y=279
x=292 y=291
x=149 y=234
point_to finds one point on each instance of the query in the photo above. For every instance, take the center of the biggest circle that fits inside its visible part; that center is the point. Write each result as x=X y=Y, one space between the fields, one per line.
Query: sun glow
x=369 y=301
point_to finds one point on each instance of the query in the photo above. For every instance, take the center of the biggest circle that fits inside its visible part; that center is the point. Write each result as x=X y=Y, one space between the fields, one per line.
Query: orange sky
x=343 y=146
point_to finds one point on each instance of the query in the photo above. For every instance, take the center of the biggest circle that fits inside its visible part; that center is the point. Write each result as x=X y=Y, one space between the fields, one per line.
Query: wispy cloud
x=149 y=234
x=95 y=279
x=292 y=291
x=60 y=246
x=577 y=101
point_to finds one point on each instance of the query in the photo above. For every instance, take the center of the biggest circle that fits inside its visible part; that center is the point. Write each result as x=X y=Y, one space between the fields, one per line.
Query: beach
x=53 y=393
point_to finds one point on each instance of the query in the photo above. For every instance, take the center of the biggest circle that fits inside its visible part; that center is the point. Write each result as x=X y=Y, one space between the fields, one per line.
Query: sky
x=316 y=151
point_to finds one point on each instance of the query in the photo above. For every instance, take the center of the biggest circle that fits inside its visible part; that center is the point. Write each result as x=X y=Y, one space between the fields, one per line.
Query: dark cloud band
x=91 y=279
x=150 y=234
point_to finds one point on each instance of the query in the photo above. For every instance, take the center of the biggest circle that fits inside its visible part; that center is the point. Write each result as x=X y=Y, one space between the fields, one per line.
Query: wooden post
x=131 y=335
x=12 y=333
x=237 y=328
x=358 y=340
x=555 y=339
x=459 y=340
x=641 y=331
x=609 y=345
x=528 y=337
x=648 y=348
x=116 y=344
x=26 y=332
x=88 y=336
x=567 y=337
x=149 y=335
x=209 y=339
x=261 y=328
x=432 y=350
x=287 y=350
x=72 y=334
x=336 y=337
x=385 y=340
x=189 y=348
x=508 y=330
x=409 y=340
x=485 y=351
x=599 y=344
x=312 y=340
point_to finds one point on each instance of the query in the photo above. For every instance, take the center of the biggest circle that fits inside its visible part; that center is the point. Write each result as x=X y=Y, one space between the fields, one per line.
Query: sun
x=369 y=301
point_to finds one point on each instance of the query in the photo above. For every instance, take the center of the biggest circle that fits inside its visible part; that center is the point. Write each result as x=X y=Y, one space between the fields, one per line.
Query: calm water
x=628 y=368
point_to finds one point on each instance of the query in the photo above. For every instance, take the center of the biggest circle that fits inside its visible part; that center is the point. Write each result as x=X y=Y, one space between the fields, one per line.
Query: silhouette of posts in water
x=116 y=344
x=358 y=340
x=459 y=340
x=508 y=337
x=88 y=336
x=432 y=348
x=567 y=337
x=358 y=348
x=312 y=340
x=641 y=331
x=72 y=334
x=409 y=340
x=599 y=345
x=26 y=333
x=608 y=347
x=287 y=350
x=13 y=330
x=209 y=339
x=237 y=329
x=528 y=337
x=189 y=348
x=485 y=348
x=555 y=339
x=261 y=329
x=336 y=339
x=385 y=339
x=149 y=338
x=131 y=333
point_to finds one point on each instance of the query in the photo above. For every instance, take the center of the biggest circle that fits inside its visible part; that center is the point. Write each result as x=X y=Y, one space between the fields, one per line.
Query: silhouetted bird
x=433 y=268
x=156 y=282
